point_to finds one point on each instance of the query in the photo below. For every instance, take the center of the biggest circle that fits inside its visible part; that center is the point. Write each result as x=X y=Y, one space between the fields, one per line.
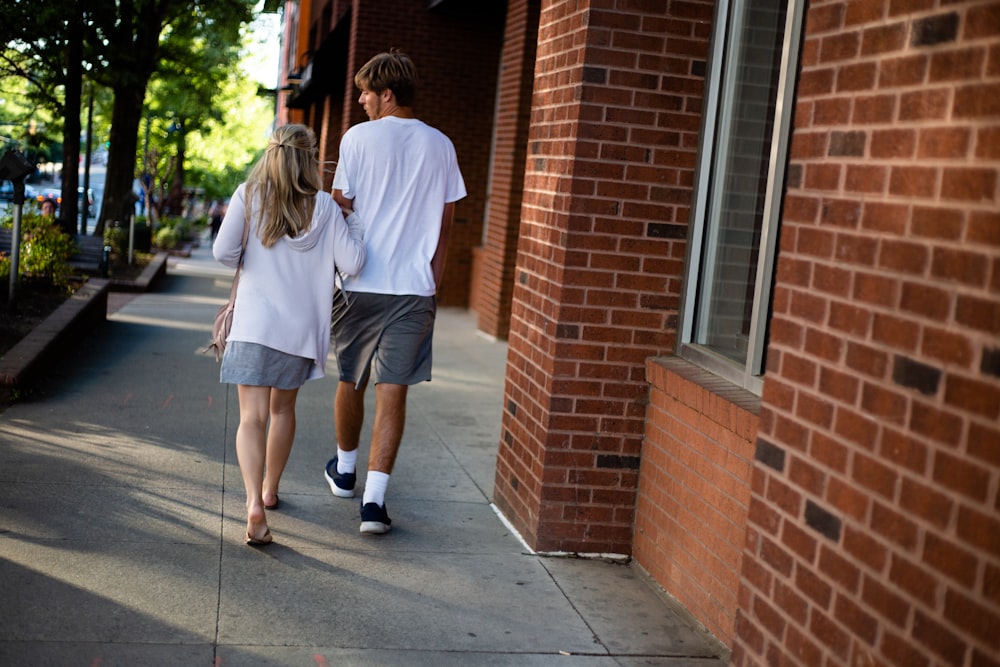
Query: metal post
x=146 y=180
x=15 y=245
x=86 y=164
x=15 y=167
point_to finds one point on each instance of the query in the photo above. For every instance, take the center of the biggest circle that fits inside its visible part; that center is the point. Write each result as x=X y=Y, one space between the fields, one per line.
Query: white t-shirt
x=400 y=172
x=285 y=293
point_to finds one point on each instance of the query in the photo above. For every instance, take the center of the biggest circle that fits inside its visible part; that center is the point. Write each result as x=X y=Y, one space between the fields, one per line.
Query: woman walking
x=298 y=240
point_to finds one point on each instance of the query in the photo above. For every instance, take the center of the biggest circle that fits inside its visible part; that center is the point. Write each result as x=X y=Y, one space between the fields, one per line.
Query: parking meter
x=15 y=167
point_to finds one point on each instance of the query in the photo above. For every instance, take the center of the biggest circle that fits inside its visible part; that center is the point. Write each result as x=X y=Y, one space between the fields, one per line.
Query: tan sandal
x=265 y=540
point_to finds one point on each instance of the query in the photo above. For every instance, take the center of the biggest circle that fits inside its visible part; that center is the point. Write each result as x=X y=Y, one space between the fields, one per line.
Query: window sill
x=724 y=402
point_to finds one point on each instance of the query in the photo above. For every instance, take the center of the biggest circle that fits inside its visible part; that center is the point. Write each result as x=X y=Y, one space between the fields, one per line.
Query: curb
x=80 y=313
x=156 y=269
x=77 y=316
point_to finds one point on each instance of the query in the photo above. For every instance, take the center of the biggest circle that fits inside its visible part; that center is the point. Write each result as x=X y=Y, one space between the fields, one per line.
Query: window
x=749 y=100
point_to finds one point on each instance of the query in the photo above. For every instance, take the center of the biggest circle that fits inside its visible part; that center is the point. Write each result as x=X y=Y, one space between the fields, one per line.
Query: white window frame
x=720 y=76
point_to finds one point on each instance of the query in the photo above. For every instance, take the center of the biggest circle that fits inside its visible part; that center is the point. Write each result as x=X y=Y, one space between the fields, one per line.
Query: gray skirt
x=262 y=366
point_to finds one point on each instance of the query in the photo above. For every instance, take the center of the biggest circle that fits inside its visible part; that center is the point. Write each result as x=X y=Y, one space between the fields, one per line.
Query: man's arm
x=437 y=262
x=346 y=205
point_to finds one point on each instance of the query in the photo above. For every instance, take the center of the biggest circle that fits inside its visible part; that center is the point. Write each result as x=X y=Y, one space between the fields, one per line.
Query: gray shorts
x=262 y=366
x=383 y=335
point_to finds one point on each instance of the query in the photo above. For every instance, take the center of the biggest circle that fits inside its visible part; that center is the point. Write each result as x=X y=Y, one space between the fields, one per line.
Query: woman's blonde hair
x=284 y=183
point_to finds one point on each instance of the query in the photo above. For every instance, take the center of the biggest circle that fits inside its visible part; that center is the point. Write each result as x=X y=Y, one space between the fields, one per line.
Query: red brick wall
x=493 y=279
x=611 y=151
x=694 y=489
x=874 y=530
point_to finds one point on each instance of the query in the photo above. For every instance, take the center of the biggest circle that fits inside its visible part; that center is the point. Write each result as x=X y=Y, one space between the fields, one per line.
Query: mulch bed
x=33 y=302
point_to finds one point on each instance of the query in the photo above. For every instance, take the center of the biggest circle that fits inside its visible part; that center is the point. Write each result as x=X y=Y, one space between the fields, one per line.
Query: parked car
x=49 y=193
x=90 y=200
x=7 y=192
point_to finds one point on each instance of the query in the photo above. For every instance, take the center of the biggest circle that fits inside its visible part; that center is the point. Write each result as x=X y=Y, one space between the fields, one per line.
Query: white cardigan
x=285 y=293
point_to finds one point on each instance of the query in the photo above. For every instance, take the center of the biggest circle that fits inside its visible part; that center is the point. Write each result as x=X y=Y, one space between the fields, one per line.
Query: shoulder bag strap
x=243 y=249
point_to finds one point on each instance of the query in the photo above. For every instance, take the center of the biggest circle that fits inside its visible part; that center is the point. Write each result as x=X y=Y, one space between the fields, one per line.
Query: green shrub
x=117 y=238
x=45 y=250
x=180 y=225
x=166 y=238
x=173 y=231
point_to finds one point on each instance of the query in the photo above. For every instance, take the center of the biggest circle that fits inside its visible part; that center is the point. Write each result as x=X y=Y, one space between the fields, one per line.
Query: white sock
x=375 y=485
x=346 y=461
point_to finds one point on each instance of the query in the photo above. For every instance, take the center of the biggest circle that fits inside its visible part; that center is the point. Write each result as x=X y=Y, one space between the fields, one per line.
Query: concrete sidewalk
x=121 y=528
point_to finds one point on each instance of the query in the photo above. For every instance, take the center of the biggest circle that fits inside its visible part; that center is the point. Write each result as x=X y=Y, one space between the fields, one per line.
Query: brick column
x=611 y=150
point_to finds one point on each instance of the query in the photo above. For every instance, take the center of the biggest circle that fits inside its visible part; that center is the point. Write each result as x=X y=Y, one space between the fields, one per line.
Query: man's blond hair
x=389 y=71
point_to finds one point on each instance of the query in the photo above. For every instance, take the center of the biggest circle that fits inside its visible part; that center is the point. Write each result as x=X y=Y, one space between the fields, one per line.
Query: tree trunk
x=71 y=133
x=176 y=200
x=119 y=202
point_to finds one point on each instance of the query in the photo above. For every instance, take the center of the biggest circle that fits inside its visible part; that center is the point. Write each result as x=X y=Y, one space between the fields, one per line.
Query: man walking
x=402 y=177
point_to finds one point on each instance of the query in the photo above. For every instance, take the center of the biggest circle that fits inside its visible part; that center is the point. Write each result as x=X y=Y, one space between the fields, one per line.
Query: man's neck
x=397 y=111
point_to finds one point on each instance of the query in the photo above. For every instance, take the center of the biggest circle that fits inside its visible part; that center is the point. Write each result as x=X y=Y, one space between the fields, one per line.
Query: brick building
x=746 y=257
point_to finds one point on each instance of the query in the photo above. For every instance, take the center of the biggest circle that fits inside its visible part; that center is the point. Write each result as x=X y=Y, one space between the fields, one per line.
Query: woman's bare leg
x=250 y=452
x=280 y=437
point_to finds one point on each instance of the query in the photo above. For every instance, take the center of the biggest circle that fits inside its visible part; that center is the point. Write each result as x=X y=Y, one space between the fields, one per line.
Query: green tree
x=188 y=49
x=215 y=149
x=44 y=50
x=139 y=37
x=185 y=91
x=26 y=126
x=221 y=152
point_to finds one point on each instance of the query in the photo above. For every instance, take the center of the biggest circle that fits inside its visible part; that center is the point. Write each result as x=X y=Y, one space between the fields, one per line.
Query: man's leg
x=348 y=418
x=387 y=431
x=348 y=415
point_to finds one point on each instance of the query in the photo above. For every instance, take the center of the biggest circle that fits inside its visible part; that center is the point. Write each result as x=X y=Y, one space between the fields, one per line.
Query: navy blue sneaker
x=342 y=484
x=374 y=519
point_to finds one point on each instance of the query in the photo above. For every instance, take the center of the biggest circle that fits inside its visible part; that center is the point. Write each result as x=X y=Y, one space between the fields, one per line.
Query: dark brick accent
x=662 y=230
x=793 y=177
x=657 y=302
x=915 y=375
x=616 y=461
x=595 y=75
x=848 y=143
x=770 y=455
x=934 y=30
x=822 y=521
x=991 y=362
x=571 y=331
x=698 y=68
x=512 y=408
